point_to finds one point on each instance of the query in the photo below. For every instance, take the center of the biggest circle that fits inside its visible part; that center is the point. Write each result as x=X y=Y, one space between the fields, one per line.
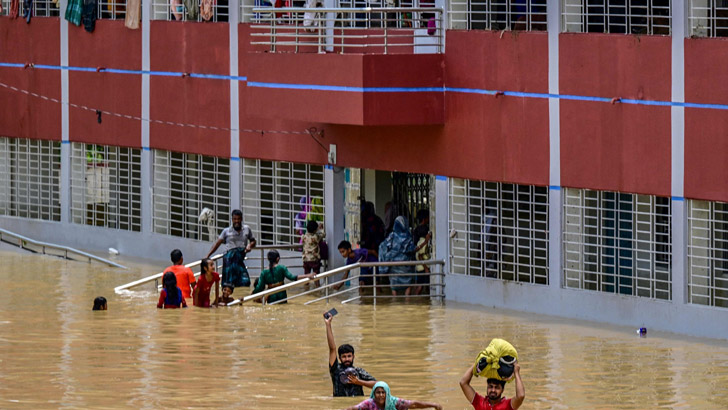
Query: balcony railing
x=395 y=30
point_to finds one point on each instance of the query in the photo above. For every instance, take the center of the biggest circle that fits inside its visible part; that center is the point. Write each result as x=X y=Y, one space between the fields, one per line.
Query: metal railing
x=529 y=15
x=262 y=248
x=708 y=18
x=617 y=16
x=439 y=285
x=23 y=242
x=368 y=30
x=201 y=10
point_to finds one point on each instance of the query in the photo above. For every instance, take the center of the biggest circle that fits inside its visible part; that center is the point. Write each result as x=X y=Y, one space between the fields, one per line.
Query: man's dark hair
x=175 y=255
x=236 y=212
x=99 y=302
x=423 y=214
x=344 y=245
x=346 y=348
x=496 y=381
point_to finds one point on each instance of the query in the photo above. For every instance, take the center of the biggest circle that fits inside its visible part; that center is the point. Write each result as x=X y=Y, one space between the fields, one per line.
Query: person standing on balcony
x=238 y=240
x=183 y=274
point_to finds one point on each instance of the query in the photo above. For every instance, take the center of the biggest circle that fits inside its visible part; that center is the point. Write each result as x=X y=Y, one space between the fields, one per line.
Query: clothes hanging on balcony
x=206 y=10
x=74 y=11
x=88 y=15
x=193 y=9
x=27 y=10
x=14 y=6
x=133 y=14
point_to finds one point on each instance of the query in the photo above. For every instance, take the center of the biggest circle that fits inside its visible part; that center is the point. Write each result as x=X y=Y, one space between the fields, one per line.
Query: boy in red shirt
x=495 y=399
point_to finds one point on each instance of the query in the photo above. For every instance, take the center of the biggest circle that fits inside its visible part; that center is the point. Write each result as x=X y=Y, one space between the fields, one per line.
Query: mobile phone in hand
x=330 y=313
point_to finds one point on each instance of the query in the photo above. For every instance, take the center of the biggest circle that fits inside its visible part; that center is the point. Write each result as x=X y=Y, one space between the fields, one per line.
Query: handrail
x=66 y=249
x=331 y=272
x=157 y=276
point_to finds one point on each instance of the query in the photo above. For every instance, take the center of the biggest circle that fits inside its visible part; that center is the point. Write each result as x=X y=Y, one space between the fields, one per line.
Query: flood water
x=55 y=352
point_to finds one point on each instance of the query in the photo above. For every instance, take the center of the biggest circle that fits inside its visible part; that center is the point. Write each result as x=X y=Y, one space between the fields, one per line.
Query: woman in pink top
x=208 y=279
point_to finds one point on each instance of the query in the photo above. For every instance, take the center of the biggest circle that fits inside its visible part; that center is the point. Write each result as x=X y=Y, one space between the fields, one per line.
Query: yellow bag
x=497 y=349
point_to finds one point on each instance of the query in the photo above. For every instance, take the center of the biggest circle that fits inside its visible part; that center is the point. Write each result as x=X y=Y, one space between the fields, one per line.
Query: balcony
x=356 y=66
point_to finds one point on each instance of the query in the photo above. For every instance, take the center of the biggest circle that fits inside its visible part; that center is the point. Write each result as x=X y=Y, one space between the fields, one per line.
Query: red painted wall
x=616 y=147
x=706 y=130
x=24 y=116
x=111 y=45
x=194 y=48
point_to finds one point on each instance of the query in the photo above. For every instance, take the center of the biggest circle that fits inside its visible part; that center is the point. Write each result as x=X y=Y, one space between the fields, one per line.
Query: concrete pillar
x=441 y=225
x=65 y=181
x=679 y=214
x=235 y=171
x=334 y=213
x=553 y=20
x=146 y=160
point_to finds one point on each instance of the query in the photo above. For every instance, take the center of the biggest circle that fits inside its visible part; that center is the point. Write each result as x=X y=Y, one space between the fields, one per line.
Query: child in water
x=227 y=290
x=208 y=279
x=99 y=303
x=171 y=296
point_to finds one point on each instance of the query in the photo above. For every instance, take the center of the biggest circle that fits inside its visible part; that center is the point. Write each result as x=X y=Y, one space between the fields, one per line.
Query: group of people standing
x=395 y=243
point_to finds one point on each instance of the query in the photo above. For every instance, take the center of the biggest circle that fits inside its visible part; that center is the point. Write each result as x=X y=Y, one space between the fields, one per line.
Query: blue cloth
x=362 y=255
x=398 y=247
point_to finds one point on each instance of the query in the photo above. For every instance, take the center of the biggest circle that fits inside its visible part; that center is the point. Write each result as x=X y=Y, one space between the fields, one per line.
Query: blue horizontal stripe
x=554 y=187
x=677 y=198
x=320 y=87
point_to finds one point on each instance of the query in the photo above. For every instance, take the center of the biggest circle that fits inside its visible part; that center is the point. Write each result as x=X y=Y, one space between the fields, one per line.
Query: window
x=178 y=10
x=30 y=178
x=617 y=16
x=106 y=186
x=41 y=8
x=278 y=198
x=183 y=186
x=498 y=14
x=708 y=18
x=617 y=243
x=499 y=230
x=112 y=9
x=708 y=253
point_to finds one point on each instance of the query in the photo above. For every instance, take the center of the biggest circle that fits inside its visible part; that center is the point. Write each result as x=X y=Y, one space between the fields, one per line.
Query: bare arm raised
x=520 y=390
x=468 y=390
x=330 y=340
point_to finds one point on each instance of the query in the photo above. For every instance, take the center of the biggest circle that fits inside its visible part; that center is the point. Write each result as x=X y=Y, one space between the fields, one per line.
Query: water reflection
x=56 y=352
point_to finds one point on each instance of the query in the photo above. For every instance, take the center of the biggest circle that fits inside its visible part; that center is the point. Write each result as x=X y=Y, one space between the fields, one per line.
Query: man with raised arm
x=494 y=399
x=238 y=240
x=347 y=379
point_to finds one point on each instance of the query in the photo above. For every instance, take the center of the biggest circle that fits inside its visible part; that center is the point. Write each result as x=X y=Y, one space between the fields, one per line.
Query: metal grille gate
x=411 y=192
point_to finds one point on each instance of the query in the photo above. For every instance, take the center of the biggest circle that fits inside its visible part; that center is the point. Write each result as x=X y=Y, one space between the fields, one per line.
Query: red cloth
x=161 y=303
x=481 y=403
x=204 y=287
x=14 y=9
x=185 y=278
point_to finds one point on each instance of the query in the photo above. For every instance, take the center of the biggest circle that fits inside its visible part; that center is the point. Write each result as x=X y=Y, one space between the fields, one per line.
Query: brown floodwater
x=55 y=352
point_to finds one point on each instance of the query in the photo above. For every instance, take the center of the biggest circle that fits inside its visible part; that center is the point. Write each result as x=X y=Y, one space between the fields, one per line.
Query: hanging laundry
x=14 y=6
x=193 y=9
x=206 y=10
x=88 y=15
x=27 y=10
x=74 y=11
x=133 y=14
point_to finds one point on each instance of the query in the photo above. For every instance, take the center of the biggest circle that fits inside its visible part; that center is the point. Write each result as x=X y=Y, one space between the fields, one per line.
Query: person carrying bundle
x=499 y=364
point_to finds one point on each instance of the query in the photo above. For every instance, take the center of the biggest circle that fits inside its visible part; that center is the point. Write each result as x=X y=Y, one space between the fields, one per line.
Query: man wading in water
x=238 y=240
x=495 y=399
x=347 y=379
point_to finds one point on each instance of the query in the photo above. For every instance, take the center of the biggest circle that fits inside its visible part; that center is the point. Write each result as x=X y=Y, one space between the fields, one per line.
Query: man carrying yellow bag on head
x=496 y=361
x=499 y=364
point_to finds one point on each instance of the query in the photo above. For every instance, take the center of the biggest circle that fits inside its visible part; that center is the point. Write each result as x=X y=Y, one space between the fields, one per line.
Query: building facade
x=570 y=151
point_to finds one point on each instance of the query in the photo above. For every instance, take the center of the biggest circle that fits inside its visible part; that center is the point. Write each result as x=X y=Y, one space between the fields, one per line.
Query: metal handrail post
x=374 y=281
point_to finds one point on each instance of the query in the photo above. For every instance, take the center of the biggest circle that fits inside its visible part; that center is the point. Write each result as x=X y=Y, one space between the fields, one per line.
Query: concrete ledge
x=693 y=320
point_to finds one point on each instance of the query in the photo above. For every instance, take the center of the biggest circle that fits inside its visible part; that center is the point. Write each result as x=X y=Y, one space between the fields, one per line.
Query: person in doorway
x=311 y=252
x=372 y=228
x=347 y=379
x=227 y=292
x=208 y=279
x=357 y=255
x=494 y=399
x=185 y=277
x=275 y=276
x=382 y=399
x=238 y=240
x=398 y=247
x=171 y=296
x=100 y=303
x=422 y=237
